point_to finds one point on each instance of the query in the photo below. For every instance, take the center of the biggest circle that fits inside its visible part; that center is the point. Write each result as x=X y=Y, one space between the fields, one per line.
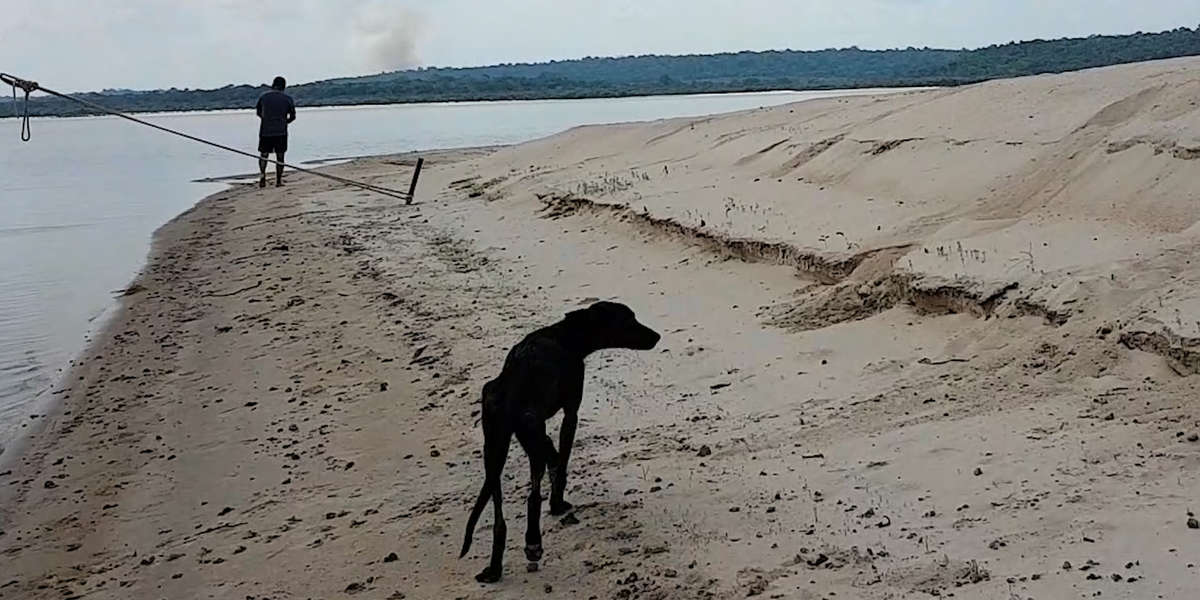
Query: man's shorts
x=272 y=143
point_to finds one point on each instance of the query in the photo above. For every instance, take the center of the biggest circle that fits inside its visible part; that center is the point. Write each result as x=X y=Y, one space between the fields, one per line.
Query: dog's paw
x=533 y=553
x=488 y=575
x=560 y=507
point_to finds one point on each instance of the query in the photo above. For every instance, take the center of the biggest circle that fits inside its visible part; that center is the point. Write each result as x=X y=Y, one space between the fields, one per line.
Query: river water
x=80 y=201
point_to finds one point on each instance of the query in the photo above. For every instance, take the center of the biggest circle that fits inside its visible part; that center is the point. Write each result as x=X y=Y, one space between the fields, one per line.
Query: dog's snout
x=649 y=339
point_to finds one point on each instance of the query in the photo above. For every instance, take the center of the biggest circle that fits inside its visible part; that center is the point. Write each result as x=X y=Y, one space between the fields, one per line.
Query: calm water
x=78 y=203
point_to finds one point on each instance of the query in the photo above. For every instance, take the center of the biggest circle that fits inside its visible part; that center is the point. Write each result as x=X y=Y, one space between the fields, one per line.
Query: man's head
x=279 y=83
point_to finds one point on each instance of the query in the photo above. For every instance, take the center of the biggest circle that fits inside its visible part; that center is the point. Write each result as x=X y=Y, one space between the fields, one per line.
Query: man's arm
x=258 y=107
x=291 y=115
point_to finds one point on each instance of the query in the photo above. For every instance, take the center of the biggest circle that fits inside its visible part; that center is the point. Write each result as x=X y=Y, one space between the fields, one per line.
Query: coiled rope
x=28 y=87
x=27 y=134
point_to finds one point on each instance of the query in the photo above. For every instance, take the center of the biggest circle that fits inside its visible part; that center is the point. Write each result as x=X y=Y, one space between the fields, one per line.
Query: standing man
x=276 y=109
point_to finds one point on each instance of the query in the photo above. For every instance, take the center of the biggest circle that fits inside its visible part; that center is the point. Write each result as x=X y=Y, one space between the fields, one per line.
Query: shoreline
x=97 y=335
x=48 y=408
x=217 y=111
x=46 y=411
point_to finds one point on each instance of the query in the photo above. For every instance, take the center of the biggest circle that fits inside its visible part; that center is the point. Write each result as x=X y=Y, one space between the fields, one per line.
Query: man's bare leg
x=262 y=171
x=278 y=169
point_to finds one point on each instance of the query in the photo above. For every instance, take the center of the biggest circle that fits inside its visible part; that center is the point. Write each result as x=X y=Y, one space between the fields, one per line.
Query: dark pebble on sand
x=49 y=485
x=704 y=451
x=1192 y=523
x=391 y=557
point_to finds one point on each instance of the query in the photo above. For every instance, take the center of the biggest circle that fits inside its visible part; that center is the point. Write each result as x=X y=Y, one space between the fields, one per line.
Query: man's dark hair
x=279 y=83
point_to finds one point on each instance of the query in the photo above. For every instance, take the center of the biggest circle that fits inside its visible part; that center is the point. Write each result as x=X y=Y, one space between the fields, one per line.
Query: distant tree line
x=689 y=74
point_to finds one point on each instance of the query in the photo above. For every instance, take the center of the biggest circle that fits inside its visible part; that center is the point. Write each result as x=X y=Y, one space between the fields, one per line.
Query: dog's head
x=612 y=325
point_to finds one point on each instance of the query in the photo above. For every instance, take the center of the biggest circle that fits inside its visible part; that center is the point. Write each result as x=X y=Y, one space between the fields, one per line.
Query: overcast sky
x=74 y=45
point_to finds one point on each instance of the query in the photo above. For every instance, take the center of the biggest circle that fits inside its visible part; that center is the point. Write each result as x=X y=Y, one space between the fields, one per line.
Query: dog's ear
x=580 y=316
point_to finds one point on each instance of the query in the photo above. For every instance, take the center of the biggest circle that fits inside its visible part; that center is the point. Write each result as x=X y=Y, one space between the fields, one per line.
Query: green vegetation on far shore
x=690 y=74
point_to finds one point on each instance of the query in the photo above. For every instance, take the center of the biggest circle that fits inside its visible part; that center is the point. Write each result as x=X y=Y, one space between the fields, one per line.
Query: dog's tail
x=477 y=510
x=491 y=488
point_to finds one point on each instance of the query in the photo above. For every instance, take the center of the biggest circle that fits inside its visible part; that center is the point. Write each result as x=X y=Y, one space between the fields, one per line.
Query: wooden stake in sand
x=412 y=187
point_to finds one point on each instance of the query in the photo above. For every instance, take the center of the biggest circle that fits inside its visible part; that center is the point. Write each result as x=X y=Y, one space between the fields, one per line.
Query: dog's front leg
x=558 y=483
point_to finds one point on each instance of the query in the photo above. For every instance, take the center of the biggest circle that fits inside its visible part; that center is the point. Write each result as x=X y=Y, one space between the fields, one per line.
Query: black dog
x=542 y=374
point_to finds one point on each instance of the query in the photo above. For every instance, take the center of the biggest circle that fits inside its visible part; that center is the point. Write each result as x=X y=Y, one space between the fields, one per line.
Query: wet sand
x=930 y=344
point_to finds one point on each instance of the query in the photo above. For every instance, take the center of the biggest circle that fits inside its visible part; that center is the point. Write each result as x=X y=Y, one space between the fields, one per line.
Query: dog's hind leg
x=552 y=460
x=495 y=453
x=558 y=481
x=533 y=440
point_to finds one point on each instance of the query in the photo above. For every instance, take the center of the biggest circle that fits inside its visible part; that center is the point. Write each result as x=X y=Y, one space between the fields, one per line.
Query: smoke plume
x=384 y=36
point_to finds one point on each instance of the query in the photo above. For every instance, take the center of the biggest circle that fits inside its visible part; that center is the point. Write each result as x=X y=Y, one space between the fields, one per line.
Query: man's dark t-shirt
x=276 y=109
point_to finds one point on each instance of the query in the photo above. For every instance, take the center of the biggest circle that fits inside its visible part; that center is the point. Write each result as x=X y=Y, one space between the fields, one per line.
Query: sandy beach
x=938 y=343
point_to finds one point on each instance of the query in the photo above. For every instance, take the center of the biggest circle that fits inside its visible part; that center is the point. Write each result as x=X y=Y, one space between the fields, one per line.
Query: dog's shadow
x=591 y=527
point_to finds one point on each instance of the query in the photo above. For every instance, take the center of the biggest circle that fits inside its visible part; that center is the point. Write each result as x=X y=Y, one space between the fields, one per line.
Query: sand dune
x=925 y=344
x=1029 y=183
